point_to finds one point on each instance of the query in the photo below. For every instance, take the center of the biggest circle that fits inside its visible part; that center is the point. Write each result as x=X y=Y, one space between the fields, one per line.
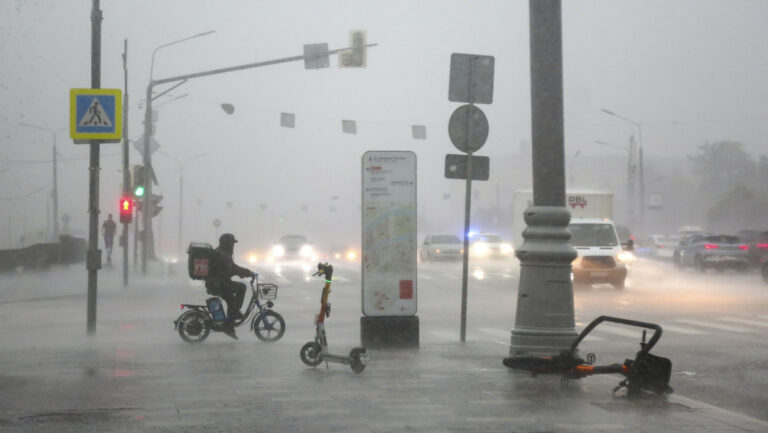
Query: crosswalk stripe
x=744 y=321
x=680 y=330
x=719 y=326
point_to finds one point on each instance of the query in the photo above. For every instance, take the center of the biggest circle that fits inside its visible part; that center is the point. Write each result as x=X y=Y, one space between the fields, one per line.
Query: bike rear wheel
x=269 y=326
x=193 y=327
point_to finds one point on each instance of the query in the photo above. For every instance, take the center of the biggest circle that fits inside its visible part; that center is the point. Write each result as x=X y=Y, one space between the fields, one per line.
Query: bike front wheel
x=193 y=327
x=269 y=326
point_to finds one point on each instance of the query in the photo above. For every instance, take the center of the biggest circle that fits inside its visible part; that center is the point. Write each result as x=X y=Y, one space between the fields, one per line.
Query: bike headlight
x=278 y=250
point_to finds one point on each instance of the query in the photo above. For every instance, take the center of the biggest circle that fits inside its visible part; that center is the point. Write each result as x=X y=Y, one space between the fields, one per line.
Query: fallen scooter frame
x=647 y=372
x=315 y=352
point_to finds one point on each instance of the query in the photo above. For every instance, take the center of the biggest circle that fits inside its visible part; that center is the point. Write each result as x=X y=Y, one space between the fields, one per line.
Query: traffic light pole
x=147 y=245
x=126 y=171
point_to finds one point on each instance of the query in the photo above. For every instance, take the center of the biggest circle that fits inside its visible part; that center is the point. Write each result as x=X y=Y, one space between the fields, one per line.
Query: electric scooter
x=647 y=372
x=315 y=352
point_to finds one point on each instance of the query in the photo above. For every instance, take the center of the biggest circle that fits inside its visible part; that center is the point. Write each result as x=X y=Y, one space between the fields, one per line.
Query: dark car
x=708 y=251
x=757 y=241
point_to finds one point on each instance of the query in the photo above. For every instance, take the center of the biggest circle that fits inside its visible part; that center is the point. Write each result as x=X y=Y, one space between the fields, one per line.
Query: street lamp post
x=638 y=125
x=630 y=175
x=181 y=190
x=147 y=246
x=55 y=176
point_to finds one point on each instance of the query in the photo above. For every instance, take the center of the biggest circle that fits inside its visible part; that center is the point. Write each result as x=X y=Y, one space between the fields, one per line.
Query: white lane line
x=496 y=332
x=679 y=330
x=619 y=331
x=719 y=326
x=744 y=321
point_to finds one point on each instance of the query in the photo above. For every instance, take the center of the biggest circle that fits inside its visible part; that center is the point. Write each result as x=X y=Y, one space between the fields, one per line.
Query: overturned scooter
x=315 y=352
x=647 y=372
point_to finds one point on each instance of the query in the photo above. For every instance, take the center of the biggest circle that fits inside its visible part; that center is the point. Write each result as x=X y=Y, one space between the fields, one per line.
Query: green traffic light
x=139 y=191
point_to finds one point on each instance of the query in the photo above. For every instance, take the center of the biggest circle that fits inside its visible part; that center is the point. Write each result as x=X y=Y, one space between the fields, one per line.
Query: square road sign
x=96 y=114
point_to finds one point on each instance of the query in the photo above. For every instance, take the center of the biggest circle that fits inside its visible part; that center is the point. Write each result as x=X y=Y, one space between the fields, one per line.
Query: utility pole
x=94 y=254
x=126 y=165
x=545 y=322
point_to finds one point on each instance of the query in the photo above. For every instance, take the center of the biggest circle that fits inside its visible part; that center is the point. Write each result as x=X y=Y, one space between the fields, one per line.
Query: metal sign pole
x=94 y=254
x=467 y=208
x=126 y=169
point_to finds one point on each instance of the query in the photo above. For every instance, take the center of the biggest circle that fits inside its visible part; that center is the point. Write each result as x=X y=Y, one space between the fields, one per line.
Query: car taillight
x=743 y=247
x=711 y=246
x=762 y=245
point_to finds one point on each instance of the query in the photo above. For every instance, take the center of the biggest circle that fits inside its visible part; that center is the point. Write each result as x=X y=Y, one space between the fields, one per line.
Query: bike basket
x=199 y=259
x=267 y=291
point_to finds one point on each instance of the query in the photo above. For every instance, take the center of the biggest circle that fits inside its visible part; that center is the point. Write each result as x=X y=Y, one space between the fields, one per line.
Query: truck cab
x=601 y=257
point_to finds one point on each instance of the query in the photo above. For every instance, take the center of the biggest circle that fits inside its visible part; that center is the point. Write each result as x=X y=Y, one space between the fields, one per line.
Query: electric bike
x=197 y=321
x=315 y=352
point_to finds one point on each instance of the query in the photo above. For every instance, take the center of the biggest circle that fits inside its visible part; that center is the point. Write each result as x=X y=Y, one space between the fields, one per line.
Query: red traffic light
x=126 y=210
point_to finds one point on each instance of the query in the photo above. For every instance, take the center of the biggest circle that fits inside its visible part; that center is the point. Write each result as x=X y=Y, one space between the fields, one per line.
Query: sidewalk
x=136 y=375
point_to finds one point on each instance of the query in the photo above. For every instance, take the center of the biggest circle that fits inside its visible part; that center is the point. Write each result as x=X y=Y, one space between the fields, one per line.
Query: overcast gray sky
x=689 y=71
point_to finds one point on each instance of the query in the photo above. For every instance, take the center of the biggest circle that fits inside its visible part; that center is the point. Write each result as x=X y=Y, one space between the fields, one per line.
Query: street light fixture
x=55 y=175
x=638 y=125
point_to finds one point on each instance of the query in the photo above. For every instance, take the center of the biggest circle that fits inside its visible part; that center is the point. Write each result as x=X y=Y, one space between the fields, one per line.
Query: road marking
x=744 y=321
x=591 y=337
x=422 y=276
x=496 y=332
x=680 y=330
x=714 y=325
x=620 y=331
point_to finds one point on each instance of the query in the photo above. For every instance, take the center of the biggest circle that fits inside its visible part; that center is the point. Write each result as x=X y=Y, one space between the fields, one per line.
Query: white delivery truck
x=601 y=258
x=582 y=204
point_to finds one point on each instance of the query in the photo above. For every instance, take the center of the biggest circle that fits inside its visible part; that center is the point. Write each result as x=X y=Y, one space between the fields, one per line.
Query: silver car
x=707 y=251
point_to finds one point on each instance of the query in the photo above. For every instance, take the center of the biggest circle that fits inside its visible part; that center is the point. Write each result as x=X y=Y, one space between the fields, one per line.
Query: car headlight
x=305 y=251
x=624 y=256
x=351 y=255
x=253 y=258
x=506 y=248
x=437 y=250
x=480 y=249
x=278 y=250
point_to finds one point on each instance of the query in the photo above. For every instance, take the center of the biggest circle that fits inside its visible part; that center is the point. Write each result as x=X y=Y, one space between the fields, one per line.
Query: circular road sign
x=216 y=222
x=463 y=120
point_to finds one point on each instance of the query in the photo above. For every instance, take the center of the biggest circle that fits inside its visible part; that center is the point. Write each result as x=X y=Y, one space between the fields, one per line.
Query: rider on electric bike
x=219 y=280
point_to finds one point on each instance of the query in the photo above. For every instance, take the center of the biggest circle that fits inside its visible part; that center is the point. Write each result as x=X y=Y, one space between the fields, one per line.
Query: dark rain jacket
x=222 y=267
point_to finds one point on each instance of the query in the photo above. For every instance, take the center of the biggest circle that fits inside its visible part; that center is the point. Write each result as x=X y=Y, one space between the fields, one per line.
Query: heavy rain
x=255 y=216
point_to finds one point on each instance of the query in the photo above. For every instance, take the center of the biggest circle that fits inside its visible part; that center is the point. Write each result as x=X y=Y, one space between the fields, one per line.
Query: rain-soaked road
x=137 y=375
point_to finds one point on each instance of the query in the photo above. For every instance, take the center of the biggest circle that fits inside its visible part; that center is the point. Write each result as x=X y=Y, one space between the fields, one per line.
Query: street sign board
x=468 y=128
x=389 y=233
x=139 y=145
x=456 y=167
x=316 y=56
x=95 y=114
x=471 y=78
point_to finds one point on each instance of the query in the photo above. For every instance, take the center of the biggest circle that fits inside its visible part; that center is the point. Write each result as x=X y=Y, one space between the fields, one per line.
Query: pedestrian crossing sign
x=95 y=114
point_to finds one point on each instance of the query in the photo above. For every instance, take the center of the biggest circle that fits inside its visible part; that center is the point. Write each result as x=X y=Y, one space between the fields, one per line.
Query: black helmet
x=227 y=241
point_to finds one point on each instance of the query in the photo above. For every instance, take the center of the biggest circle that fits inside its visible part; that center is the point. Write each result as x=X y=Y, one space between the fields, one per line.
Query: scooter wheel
x=310 y=354
x=356 y=363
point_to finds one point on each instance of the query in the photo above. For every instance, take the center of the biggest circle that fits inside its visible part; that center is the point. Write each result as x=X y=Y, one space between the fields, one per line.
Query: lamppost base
x=540 y=342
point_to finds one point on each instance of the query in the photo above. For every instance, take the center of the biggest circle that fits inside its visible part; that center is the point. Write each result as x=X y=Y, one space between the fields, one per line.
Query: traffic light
x=126 y=210
x=155 y=201
x=356 y=57
x=139 y=180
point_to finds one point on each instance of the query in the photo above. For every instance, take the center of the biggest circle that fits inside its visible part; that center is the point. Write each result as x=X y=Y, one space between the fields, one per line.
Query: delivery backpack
x=199 y=259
